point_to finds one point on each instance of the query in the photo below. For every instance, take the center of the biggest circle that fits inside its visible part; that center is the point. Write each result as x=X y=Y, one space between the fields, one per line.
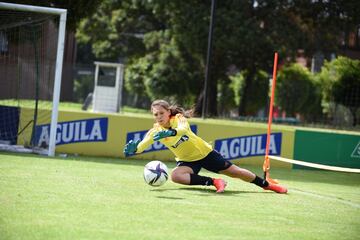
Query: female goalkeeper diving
x=191 y=152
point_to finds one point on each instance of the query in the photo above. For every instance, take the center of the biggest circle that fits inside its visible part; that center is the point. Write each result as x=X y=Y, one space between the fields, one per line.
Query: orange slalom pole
x=266 y=165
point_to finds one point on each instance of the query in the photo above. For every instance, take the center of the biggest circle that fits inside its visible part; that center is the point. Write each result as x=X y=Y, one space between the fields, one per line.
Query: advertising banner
x=96 y=134
x=328 y=148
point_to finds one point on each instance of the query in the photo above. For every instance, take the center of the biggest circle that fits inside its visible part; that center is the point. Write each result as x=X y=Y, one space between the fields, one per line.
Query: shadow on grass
x=208 y=191
x=170 y=198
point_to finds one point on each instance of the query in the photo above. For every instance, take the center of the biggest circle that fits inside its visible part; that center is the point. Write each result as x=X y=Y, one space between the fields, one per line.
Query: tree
x=164 y=80
x=77 y=10
x=246 y=35
x=259 y=89
x=313 y=110
x=295 y=90
x=341 y=80
x=140 y=33
x=324 y=22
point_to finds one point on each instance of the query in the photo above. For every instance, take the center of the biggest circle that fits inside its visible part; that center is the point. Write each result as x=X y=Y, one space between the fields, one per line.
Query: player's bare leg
x=247 y=176
x=181 y=175
x=185 y=175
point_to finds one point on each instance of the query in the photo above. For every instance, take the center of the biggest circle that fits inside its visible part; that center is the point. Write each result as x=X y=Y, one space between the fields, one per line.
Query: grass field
x=99 y=198
x=72 y=106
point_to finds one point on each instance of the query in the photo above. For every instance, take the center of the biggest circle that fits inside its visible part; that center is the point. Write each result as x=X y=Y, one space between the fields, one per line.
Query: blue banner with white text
x=248 y=146
x=86 y=130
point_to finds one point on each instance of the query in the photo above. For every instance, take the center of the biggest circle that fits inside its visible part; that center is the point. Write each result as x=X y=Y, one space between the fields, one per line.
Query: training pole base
x=269 y=179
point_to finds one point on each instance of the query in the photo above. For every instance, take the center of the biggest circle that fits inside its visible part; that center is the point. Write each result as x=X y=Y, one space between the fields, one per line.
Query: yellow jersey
x=186 y=145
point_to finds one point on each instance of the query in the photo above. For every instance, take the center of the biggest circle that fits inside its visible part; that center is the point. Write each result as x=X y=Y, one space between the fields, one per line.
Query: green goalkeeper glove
x=131 y=147
x=164 y=134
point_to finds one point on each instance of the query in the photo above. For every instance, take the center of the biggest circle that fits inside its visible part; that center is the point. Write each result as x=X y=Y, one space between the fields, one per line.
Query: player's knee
x=177 y=177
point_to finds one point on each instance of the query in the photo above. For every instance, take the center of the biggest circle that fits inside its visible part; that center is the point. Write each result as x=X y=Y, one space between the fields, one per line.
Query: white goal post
x=59 y=60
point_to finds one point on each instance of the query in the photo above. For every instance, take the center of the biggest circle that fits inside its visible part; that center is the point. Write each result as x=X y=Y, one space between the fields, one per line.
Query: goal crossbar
x=30 y=8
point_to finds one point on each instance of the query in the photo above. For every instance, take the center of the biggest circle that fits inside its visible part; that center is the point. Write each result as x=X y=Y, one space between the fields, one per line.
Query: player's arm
x=182 y=125
x=146 y=142
x=138 y=146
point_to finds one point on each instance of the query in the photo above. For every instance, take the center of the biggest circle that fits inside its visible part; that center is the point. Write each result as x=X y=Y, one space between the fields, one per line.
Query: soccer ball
x=155 y=173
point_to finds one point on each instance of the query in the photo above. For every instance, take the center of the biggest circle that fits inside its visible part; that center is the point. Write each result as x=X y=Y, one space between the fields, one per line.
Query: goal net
x=30 y=76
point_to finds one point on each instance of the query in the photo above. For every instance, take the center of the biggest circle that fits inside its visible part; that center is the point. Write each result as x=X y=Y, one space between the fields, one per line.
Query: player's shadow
x=170 y=198
x=204 y=191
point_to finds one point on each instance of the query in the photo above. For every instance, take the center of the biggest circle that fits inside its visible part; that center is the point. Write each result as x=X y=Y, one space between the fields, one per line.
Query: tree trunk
x=199 y=105
x=245 y=93
x=353 y=112
x=212 y=97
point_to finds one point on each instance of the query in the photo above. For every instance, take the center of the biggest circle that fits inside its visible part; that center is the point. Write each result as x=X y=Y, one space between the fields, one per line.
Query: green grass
x=99 y=198
x=72 y=106
x=42 y=104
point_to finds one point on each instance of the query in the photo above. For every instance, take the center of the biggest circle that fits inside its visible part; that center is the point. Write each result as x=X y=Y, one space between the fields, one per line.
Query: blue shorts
x=213 y=162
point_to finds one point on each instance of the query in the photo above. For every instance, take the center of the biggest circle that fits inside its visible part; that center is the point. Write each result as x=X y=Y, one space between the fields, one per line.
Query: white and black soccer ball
x=155 y=173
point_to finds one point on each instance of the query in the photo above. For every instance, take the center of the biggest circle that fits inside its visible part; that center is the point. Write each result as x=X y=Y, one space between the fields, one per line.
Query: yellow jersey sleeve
x=147 y=140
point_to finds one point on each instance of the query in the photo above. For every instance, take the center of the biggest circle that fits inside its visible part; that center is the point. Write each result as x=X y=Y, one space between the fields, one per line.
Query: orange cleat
x=276 y=188
x=220 y=185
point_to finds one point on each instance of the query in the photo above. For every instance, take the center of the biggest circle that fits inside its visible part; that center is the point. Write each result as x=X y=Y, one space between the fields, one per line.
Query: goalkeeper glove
x=131 y=147
x=164 y=134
